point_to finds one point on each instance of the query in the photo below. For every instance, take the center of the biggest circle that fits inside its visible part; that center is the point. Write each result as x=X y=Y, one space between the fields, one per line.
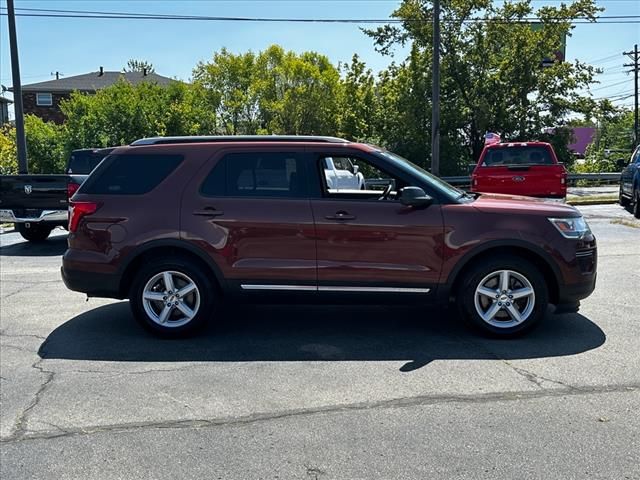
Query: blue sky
x=75 y=46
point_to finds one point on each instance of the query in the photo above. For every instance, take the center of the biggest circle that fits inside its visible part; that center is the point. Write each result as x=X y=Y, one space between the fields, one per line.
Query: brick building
x=43 y=99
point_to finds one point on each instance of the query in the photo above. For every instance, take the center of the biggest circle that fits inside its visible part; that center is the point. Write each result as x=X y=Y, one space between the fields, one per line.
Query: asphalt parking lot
x=326 y=392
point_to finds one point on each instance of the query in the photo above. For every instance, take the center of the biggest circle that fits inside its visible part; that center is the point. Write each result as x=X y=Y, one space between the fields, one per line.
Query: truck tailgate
x=44 y=192
x=530 y=180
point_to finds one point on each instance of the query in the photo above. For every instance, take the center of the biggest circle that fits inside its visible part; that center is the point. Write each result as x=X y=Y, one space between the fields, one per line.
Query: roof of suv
x=237 y=138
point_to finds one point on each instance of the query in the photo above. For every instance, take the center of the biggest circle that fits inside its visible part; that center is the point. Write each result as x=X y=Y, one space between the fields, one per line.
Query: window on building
x=44 y=99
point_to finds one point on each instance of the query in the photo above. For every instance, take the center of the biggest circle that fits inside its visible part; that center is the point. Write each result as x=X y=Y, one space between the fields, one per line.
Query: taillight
x=72 y=188
x=77 y=210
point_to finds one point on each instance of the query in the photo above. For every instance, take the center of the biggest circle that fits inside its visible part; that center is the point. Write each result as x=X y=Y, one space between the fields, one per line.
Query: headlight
x=572 y=227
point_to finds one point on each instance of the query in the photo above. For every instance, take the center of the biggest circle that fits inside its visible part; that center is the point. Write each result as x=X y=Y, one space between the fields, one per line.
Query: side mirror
x=356 y=169
x=415 y=197
x=621 y=163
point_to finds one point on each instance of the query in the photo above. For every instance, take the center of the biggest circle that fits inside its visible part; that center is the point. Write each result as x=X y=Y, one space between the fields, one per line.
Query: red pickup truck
x=522 y=168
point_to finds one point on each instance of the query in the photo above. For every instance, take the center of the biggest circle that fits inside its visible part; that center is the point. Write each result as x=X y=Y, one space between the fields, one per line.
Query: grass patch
x=626 y=223
x=592 y=200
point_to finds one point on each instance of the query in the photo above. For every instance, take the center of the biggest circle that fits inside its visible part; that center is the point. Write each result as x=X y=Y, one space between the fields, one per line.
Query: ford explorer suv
x=529 y=168
x=180 y=224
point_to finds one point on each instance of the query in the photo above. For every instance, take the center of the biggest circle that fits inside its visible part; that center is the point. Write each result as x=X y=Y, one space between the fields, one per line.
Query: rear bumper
x=93 y=284
x=60 y=217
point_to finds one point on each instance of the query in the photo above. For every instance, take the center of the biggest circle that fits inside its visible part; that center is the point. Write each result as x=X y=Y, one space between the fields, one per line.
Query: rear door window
x=496 y=157
x=130 y=174
x=257 y=174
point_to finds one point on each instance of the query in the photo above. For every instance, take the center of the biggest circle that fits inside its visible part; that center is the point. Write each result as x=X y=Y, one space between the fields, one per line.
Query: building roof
x=5 y=100
x=90 y=82
x=583 y=137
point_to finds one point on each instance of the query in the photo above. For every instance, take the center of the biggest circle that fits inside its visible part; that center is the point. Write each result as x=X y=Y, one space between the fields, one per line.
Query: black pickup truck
x=36 y=204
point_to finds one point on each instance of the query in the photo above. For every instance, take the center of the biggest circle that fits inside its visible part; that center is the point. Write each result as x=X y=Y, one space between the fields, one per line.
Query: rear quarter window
x=130 y=174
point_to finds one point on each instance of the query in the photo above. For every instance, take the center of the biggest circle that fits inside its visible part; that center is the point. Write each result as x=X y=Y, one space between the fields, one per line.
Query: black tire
x=622 y=200
x=507 y=326
x=206 y=291
x=636 y=202
x=35 y=233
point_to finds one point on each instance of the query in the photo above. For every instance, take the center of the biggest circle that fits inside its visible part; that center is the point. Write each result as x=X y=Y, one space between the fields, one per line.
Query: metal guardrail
x=572 y=177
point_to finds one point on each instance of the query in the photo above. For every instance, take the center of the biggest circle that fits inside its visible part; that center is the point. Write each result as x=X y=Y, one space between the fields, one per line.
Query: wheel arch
x=165 y=248
x=530 y=252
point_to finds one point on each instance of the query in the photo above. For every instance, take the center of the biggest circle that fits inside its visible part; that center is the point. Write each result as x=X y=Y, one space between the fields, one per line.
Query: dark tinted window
x=256 y=175
x=517 y=156
x=84 y=161
x=130 y=174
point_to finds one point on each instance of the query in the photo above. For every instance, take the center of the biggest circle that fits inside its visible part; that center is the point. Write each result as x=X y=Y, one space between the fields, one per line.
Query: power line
x=611 y=85
x=617 y=19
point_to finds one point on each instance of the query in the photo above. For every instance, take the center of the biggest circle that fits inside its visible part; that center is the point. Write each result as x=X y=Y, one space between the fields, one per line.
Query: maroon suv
x=177 y=224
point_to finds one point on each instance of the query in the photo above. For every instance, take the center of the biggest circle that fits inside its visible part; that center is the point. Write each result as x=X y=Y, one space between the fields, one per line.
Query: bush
x=45 y=147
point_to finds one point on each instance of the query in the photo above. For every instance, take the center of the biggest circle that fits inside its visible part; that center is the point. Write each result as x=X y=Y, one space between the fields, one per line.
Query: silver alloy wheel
x=171 y=299
x=504 y=298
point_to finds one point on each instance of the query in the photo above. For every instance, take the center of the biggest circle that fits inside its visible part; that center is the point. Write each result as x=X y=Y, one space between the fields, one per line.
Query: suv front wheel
x=172 y=297
x=503 y=296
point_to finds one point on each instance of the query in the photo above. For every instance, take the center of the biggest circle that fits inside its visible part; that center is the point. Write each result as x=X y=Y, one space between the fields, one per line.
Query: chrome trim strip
x=585 y=254
x=323 y=288
x=45 y=216
x=310 y=288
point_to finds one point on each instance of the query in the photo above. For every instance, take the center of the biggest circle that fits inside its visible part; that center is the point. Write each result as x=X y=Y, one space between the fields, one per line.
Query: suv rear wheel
x=172 y=297
x=35 y=232
x=503 y=296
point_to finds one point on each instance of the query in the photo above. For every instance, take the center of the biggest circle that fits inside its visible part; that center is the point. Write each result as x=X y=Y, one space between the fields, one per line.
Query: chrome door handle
x=208 y=212
x=341 y=215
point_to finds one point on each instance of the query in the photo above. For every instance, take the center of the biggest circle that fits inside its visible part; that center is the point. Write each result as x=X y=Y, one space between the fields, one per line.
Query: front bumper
x=49 y=216
x=578 y=291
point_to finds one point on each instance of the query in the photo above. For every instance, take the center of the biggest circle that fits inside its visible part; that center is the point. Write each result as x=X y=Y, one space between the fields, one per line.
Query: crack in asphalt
x=20 y=424
x=421 y=400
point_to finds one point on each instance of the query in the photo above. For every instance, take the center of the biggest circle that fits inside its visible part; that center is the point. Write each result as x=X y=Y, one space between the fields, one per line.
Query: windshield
x=433 y=181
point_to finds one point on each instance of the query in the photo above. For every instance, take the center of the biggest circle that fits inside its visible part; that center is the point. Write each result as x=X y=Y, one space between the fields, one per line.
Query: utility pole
x=21 y=143
x=435 y=95
x=636 y=66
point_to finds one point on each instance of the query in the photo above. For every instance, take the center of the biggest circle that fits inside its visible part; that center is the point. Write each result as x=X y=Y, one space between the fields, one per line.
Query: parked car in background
x=523 y=168
x=177 y=224
x=342 y=174
x=630 y=184
x=36 y=204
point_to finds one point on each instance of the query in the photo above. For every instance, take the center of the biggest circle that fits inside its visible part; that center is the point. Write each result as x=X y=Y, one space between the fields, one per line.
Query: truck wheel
x=173 y=297
x=503 y=296
x=35 y=233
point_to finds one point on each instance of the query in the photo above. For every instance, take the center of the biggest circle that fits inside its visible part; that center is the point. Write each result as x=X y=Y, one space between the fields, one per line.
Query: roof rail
x=237 y=138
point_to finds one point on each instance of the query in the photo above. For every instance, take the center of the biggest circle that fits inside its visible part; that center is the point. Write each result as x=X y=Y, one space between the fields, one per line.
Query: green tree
x=272 y=92
x=492 y=78
x=230 y=82
x=134 y=65
x=613 y=141
x=123 y=112
x=45 y=147
x=358 y=104
x=8 y=151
